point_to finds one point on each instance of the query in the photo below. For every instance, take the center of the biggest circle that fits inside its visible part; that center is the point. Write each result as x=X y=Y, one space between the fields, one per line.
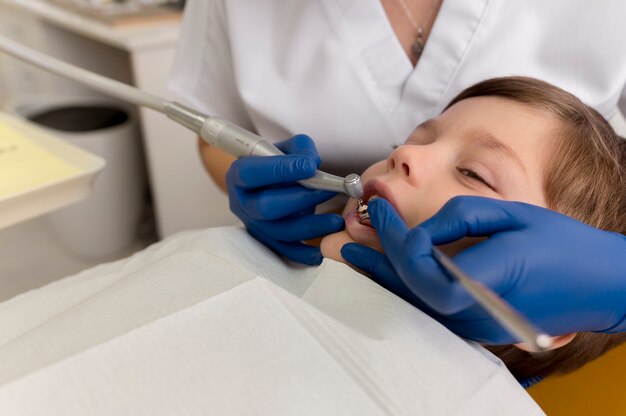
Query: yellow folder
x=40 y=172
x=25 y=165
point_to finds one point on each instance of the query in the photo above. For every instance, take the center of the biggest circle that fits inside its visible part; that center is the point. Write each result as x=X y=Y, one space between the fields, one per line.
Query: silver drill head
x=352 y=185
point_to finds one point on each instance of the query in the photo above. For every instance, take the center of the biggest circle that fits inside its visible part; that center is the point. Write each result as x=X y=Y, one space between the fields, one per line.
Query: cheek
x=421 y=208
x=332 y=243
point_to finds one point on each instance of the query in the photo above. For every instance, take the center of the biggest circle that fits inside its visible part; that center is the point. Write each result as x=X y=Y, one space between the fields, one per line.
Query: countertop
x=132 y=39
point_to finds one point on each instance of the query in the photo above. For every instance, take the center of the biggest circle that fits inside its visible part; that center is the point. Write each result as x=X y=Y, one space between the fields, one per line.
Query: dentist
x=358 y=76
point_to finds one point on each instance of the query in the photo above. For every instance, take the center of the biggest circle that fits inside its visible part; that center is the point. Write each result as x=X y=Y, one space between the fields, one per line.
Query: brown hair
x=585 y=179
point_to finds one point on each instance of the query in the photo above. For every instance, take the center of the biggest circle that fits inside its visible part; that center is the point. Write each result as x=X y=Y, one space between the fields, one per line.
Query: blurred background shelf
x=182 y=195
x=121 y=15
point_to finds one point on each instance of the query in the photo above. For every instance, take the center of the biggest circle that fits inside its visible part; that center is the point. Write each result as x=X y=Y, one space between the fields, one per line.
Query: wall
x=596 y=389
x=16 y=77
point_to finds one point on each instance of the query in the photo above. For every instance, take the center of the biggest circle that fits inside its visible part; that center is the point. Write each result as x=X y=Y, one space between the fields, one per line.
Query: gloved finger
x=380 y=270
x=298 y=252
x=486 y=263
x=270 y=204
x=391 y=228
x=300 y=144
x=393 y=233
x=255 y=172
x=486 y=331
x=428 y=279
x=375 y=264
x=302 y=228
x=471 y=216
x=410 y=251
x=378 y=267
x=447 y=296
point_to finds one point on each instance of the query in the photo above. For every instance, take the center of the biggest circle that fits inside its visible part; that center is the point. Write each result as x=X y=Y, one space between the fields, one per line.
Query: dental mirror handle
x=516 y=324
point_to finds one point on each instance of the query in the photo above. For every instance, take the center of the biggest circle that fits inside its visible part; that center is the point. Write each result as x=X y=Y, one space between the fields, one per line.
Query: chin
x=331 y=247
x=332 y=243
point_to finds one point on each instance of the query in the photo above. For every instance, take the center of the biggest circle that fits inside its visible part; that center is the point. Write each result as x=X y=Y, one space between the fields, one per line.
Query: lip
x=377 y=187
x=362 y=233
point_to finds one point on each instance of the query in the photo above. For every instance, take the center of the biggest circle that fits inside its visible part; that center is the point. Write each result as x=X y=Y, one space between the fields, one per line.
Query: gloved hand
x=563 y=275
x=276 y=210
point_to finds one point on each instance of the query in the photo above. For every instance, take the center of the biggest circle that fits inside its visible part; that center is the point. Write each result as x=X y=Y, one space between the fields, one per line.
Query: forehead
x=529 y=131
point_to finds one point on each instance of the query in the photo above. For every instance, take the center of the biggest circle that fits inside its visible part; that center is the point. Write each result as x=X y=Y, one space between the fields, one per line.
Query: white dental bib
x=212 y=322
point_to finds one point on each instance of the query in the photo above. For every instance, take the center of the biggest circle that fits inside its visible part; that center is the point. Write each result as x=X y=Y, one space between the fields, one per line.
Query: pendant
x=417 y=47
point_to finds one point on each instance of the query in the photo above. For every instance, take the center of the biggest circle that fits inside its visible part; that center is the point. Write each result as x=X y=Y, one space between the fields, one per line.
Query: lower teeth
x=365 y=219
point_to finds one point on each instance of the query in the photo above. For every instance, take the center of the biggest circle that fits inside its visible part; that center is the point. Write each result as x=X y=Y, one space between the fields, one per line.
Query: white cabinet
x=184 y=196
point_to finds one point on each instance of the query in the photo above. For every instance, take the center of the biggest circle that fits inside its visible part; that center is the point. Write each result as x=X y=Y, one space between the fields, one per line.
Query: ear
x=557 y=342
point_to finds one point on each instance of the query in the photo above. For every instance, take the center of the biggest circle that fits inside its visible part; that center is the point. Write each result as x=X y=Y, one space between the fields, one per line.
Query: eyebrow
x=482 y=138
x=429 y=125
x=485 y=139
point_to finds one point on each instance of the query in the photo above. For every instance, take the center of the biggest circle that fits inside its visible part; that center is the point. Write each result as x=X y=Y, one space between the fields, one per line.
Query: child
x=515 y=139
x=214 y=311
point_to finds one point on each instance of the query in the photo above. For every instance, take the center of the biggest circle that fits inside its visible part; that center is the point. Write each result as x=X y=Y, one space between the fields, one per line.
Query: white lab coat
x=335 y=70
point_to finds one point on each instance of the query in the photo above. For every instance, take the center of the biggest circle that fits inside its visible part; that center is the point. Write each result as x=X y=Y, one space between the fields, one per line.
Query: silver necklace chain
x=417 y=47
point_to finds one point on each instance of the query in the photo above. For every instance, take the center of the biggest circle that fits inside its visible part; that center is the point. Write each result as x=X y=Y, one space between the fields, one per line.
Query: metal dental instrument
x=215 y=131
x=516 y=324
x=362 y=211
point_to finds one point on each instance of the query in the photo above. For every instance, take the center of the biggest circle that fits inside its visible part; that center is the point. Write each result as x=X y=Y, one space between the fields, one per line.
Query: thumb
x=371 y=262
x=391 y=228
x=300 y=144
x=381 y=271
x=471 y=216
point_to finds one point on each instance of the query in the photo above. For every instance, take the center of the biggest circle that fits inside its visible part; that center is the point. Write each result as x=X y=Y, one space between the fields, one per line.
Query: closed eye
x=475 y=176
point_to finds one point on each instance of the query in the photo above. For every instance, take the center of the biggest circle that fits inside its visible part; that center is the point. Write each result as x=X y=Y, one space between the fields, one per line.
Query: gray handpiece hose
x=239 y=142
x=220 y=133
x=98 y=82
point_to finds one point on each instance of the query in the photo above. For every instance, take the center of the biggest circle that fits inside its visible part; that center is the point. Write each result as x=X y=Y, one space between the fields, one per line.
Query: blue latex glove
x=563 y=275
x=277 y=211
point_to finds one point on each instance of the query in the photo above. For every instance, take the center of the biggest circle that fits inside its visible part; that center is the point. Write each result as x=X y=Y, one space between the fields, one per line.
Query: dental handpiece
x=214 y=131
x=241 y=143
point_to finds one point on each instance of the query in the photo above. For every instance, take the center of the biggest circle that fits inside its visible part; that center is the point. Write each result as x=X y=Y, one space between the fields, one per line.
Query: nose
x=406 y=161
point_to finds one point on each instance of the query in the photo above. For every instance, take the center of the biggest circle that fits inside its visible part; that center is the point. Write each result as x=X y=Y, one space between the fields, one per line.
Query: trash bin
x=105 y=224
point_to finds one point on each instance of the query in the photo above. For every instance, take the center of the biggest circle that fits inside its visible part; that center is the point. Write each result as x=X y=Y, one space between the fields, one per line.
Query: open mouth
x=373 y=189
x=362 y=214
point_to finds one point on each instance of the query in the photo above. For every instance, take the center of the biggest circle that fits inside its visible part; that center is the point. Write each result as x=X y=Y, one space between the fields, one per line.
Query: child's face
x=485 y=146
